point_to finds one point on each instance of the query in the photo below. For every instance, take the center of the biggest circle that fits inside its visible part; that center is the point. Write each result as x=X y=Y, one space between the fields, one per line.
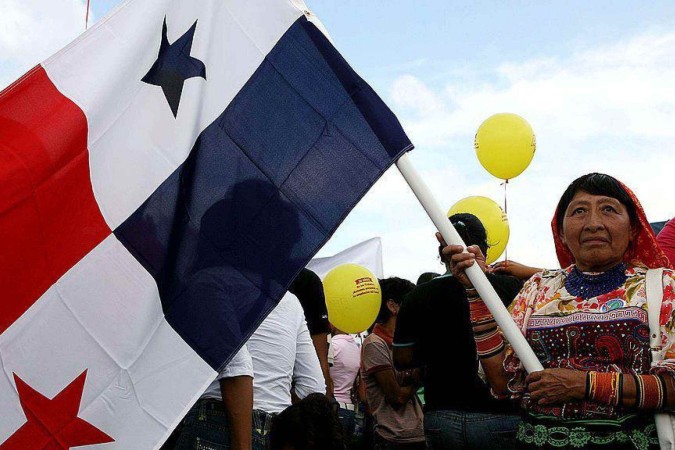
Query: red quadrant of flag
x=49 y=218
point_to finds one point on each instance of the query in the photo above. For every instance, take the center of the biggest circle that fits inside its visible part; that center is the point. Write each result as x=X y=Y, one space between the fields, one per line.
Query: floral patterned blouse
x=607 y=333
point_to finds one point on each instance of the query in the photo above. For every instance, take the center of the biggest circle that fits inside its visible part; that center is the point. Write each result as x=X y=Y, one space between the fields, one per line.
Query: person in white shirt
x=284 y=360
x=236 y=410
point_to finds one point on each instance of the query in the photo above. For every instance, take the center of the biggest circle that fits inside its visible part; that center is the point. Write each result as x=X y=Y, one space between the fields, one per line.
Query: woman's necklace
x=589 y=285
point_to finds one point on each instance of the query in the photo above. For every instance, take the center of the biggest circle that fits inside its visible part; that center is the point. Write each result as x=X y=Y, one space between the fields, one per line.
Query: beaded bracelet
x=604 y=387
x=652 y=392
x=638 y=390
x=607 y=388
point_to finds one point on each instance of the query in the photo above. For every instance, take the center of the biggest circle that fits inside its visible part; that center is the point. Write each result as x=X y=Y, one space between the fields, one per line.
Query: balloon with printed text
x=353 y=297
x=493 y=218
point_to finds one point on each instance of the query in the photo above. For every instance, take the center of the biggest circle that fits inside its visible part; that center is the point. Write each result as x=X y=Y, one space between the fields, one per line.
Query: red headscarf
x=643 y=250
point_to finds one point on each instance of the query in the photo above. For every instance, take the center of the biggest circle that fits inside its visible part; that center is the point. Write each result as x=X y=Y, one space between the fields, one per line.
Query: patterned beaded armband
x=489 y=342
x=604 y=387
x=650 y=391
x=479 y=313
x=607 y=388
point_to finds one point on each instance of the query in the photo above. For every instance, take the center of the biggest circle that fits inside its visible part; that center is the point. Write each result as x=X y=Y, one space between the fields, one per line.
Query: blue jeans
x=205 y=426
x=262 y=424
x=347 y=420
x=383 y=444
x=448 y=429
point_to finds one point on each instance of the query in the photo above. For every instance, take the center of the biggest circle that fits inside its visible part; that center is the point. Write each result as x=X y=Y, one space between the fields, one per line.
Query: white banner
x=367 y=254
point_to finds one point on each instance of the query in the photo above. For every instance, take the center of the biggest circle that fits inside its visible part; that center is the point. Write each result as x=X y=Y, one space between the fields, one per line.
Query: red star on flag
x=53 y=424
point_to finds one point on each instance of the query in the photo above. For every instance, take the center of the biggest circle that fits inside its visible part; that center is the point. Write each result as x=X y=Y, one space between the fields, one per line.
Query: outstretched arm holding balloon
x=513 y=268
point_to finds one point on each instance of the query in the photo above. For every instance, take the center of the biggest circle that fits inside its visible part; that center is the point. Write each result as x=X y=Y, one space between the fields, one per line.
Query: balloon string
x=506 y=211
x=86 y=18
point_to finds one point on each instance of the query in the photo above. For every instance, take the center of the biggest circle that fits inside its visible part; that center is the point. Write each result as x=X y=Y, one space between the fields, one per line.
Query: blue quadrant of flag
x=264 y=187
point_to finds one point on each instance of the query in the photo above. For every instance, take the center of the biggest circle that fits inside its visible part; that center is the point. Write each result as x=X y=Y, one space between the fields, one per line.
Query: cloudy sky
x=595 y=79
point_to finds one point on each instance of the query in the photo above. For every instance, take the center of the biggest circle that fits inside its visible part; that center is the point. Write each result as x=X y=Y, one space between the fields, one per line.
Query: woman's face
x=597 y=230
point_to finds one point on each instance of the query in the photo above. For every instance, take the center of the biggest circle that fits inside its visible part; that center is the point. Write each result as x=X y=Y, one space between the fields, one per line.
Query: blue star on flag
x=174 y=65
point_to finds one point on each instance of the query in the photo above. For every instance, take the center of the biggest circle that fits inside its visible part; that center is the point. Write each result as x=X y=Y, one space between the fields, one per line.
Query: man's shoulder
x=372 y=337
x=373 y=340
x=282 y=323
x=429 y=291
x=376 y=353
x=288 y=307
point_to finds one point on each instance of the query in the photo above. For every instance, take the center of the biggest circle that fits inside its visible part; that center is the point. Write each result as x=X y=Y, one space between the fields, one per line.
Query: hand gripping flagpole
x=475 y=274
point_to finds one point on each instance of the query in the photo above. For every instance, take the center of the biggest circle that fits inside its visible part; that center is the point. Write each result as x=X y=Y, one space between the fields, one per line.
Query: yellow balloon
x=353 y=297
x=505 y=145
x=493 y=218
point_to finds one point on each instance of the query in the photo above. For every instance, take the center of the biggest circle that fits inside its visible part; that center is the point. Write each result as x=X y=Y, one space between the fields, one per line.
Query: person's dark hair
x=395 y=289
x=471 y=230
x=595 y=184
x=427 y=276
x=310 y=424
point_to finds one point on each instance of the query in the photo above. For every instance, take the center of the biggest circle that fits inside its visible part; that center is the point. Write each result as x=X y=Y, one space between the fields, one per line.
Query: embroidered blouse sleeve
x=520 y=310
x=667 y=320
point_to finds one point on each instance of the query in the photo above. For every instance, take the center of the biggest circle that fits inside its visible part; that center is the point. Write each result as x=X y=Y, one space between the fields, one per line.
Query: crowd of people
x=435 y=371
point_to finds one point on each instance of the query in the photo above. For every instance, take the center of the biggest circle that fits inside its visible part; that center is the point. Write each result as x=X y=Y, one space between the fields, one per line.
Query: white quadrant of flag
x=104 y=317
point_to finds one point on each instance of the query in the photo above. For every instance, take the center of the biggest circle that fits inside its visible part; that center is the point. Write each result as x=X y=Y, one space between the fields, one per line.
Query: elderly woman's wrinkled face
x=597 y=230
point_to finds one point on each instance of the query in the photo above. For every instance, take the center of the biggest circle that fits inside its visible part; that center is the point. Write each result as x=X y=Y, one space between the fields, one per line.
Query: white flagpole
x=475 y=274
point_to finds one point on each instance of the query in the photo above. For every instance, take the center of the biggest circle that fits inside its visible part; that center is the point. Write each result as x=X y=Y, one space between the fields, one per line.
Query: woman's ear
x=634 y=231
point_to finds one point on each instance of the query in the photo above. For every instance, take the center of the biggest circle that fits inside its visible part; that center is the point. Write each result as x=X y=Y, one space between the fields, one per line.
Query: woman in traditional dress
x=587 y=323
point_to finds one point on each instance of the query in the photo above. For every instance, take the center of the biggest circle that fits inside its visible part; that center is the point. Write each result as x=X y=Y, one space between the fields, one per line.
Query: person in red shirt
x=666 y=240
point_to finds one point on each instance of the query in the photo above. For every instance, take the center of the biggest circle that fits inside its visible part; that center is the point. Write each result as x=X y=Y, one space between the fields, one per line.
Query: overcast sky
x=595 y=79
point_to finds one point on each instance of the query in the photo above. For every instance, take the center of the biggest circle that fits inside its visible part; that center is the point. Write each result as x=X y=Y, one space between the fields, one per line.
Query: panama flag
x=162 y=180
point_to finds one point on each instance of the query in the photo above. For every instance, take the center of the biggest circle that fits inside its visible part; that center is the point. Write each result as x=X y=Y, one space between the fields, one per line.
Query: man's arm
x=395 y=394
x=404 y=357
x=377 y=363
x=236 y=390
x=321 y=346
x=515 y=269
x=237 y=393
x=308 y=288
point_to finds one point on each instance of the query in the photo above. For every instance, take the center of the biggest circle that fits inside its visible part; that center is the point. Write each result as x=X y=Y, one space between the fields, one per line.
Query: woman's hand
x=458 y=260
x=556 y=386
